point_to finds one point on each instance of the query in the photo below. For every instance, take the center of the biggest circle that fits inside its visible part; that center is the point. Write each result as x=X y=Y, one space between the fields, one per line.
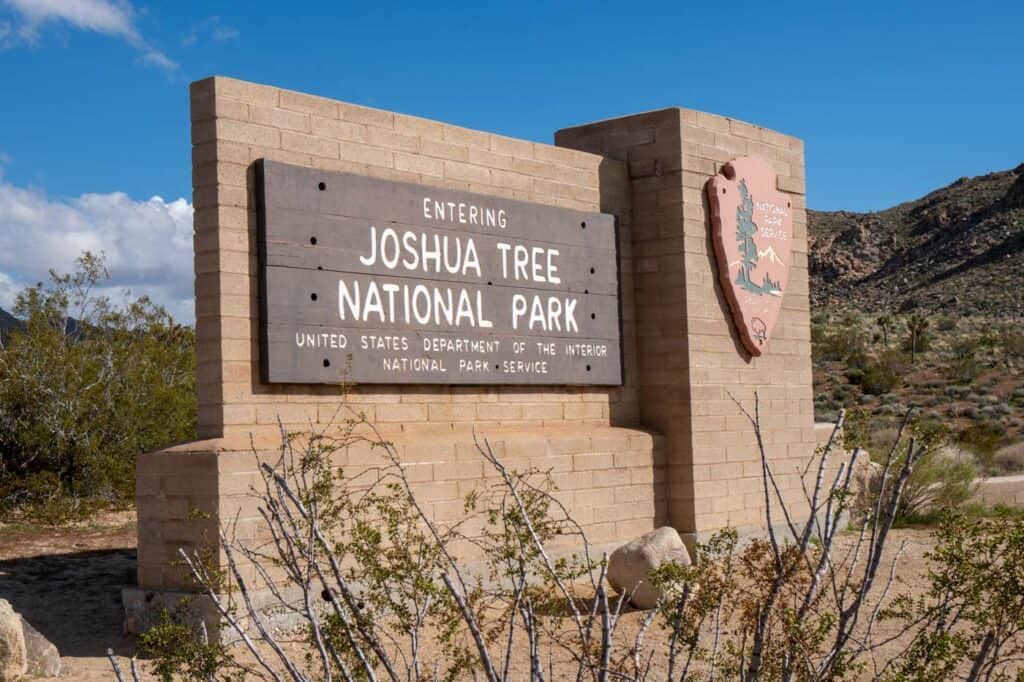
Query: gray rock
x=43 y=657
x=13 y=659
x=630 y=566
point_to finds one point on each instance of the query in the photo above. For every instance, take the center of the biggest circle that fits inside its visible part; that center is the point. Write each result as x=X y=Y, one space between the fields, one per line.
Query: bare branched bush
x=381 y=590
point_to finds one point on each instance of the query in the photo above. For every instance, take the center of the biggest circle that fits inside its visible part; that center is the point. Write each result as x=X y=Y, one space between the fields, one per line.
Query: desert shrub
x=968 y=412
x=982 y=438
x=854 y=375
x=179 y=654
x=785 y=606
x=972 y=614
x=825 y=415
x=858 y=360
x=890 y=410
x=85 y=387
x=883 y=374
x=993 y=412
x=844 y=393
x=963 y=366
x=1009 y=459
x=838 y=342
x=1011 y=340
x=957 y=392
x=880 y=379
x=858 y=428
x=940 y=480
x=818 y=330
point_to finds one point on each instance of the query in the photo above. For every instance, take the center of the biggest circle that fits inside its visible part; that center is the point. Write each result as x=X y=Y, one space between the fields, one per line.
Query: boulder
x=43 y=657
x=630 y=566
x=13 y=659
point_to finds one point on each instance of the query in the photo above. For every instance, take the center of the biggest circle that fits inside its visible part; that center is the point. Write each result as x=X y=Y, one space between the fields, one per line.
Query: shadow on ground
x=73 y=599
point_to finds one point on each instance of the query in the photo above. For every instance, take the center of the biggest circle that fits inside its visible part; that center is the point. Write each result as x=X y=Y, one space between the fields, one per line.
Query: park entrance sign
x=560 y=302
x=376 y=281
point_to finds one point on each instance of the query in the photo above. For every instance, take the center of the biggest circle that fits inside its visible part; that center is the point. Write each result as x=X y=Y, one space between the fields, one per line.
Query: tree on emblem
x=745 y=231
x=746 y=228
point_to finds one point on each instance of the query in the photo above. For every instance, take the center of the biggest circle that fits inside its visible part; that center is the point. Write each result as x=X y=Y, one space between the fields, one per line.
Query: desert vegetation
x=962 y=374
x=86 y=384
x=380 y=593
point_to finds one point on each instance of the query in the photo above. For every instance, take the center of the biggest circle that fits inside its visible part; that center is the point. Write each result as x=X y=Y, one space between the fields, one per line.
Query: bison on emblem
x=751 y=229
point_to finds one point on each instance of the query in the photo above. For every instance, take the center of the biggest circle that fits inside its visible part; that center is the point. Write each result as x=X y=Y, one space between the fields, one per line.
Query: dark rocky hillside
x=8 y=322
x=957 y=250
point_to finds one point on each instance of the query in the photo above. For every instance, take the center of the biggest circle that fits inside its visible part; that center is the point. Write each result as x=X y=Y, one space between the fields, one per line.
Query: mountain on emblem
x=751 y=229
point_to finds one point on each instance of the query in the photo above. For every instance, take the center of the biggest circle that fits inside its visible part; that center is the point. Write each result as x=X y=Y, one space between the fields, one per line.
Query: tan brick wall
x=612 y=481
x=177 y=497
x=682 y=356
x=690 y=358
x=610 y=478
x=234 y=123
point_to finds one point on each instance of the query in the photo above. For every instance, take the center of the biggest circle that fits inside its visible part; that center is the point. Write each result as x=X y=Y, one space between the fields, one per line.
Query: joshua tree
x=884 y=323
x=917 y=325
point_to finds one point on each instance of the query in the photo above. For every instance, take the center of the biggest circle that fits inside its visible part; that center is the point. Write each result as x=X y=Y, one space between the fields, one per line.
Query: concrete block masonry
x=665 y=446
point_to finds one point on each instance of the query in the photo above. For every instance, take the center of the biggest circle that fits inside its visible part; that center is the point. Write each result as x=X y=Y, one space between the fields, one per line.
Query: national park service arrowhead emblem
x=752 y=230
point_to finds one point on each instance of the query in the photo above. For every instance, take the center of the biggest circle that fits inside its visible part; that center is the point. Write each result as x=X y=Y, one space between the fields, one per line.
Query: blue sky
x=893 y=99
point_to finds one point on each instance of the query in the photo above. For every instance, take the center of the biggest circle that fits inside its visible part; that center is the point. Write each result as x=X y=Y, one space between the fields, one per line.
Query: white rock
x=41 y=654
x=13 y=659
x=630 y=566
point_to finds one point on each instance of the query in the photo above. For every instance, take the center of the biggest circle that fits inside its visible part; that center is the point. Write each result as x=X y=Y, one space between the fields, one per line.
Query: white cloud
x=8 y=291
x=147 y=244
x=112 y=18
x=212 y=26
x=223 y=34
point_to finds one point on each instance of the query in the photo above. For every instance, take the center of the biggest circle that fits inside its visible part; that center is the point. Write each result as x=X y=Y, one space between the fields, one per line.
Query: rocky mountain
x=957 y=250
x=8 y=321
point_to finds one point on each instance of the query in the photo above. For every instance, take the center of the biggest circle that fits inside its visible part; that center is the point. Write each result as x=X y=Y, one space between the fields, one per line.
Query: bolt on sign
x=752 y=227
x=374 y=281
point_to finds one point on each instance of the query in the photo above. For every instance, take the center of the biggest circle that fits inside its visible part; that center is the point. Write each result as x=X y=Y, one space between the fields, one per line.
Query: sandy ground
x=67 y=582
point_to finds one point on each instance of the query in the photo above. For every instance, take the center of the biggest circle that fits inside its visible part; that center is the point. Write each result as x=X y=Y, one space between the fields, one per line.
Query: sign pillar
x=692 y=356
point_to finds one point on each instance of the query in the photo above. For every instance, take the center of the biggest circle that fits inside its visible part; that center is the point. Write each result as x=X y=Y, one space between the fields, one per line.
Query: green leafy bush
x=838 y=345
x=971 y=615
x=85 y=387
x=178 y=653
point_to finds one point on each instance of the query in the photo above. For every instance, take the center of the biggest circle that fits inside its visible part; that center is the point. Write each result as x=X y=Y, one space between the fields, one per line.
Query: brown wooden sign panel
x=373 y=281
